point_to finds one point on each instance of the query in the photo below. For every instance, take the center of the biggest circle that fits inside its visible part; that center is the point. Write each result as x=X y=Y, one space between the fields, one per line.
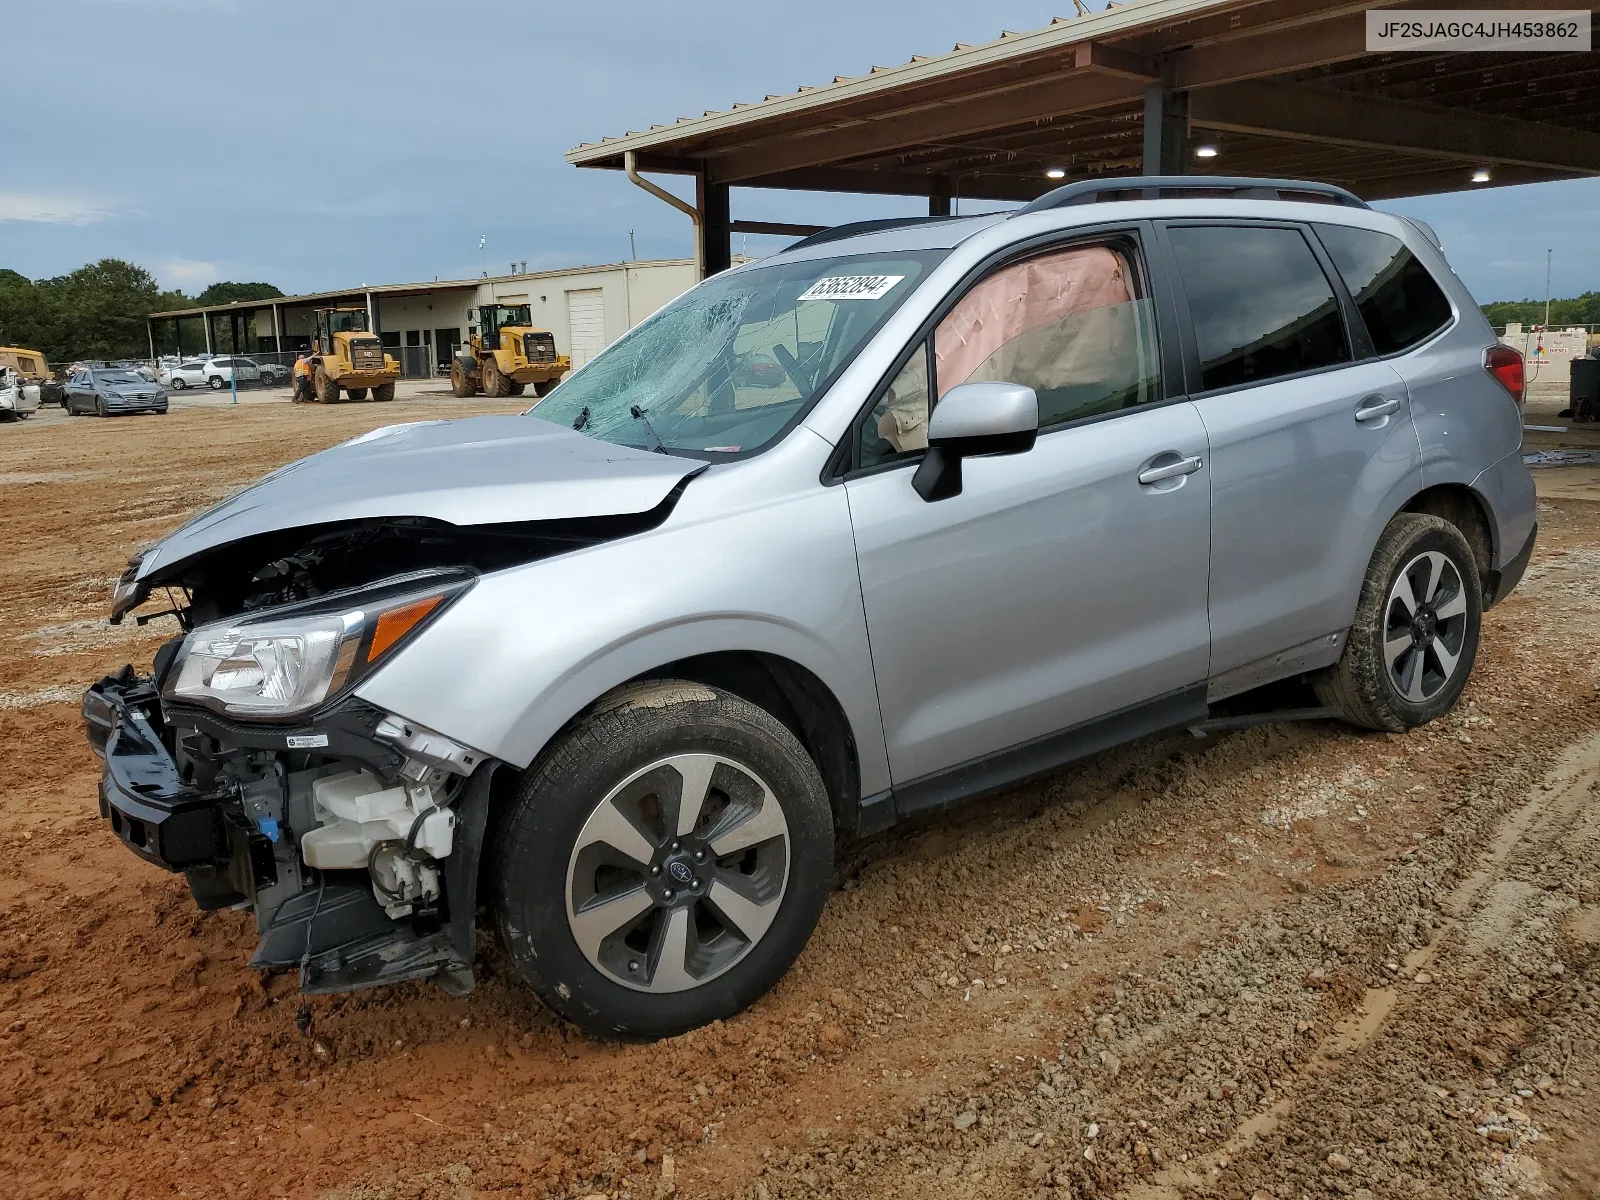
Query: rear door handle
x=1184 y=466
x=1374 y=407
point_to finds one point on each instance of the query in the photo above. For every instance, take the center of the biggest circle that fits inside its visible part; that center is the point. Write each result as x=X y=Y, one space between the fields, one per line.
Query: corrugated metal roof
x=1116 y=20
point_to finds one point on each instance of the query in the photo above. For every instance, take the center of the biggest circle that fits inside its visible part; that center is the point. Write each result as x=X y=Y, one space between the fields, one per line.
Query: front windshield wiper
x=650 y=433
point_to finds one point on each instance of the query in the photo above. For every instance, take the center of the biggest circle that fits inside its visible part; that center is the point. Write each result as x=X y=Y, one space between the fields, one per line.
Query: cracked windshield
x=730 y=365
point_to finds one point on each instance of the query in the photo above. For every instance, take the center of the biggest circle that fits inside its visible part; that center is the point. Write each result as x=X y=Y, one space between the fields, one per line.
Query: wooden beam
x=892 y=183
x=1306 y=114
x=781 y=228
x=1093 y=56
x=1297 y=49
x=1456 y=179
x=1038 y=100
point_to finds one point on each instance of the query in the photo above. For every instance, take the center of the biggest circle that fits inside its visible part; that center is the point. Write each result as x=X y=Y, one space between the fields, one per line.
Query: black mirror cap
x=938 y=475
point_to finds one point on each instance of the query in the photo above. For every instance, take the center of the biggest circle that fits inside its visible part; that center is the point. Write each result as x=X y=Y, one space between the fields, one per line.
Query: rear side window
x=1260 y=305
x=1399 y=301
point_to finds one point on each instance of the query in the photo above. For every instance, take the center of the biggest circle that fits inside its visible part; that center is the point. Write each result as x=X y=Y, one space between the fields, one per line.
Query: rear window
x=1400 y=303
x=1260 y=304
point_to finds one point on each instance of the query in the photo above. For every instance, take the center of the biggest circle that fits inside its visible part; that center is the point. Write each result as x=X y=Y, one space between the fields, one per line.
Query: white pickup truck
x=18 y=397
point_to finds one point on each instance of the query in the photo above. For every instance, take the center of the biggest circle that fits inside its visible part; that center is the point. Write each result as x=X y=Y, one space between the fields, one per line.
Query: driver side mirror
x=971 y=419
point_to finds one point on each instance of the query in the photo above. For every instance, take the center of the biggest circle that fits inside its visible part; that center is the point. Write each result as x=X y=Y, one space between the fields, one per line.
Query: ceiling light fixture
x=1205 y=152
x=1481 y=175
x=1055 y=173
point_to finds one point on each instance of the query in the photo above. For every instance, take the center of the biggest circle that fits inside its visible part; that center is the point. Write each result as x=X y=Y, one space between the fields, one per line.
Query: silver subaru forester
x=903 y=515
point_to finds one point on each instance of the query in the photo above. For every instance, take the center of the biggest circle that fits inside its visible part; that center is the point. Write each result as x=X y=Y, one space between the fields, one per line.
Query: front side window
x=1259 y=303
x=1069 y=325
x=1399 y=301
x=726 y=367
x=1072 y=325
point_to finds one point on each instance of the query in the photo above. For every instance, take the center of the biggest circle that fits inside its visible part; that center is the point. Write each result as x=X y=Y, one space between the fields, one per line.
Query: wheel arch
x=786 y=689
x=1467 y=511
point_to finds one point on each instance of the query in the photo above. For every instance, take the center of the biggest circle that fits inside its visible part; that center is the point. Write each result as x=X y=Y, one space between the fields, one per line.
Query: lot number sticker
x=851 y=287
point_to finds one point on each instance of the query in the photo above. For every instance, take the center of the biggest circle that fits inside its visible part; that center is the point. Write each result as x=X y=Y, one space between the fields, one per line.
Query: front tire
x=495 y=384
x=1415 y=636
x=327 y=388
x=664 y=863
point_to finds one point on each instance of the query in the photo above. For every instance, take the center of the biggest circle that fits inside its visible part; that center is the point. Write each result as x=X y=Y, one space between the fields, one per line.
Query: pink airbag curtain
x=1015 y=324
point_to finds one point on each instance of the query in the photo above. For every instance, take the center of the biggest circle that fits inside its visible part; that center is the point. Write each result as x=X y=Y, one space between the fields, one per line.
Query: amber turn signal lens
x=397 y=622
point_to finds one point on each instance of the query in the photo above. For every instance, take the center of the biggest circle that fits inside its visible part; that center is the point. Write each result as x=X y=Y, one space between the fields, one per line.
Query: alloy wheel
x=1425 y=626
x=678 y=872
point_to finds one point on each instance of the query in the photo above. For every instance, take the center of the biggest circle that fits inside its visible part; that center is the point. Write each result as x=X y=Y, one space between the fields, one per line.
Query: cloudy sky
x=318 y=144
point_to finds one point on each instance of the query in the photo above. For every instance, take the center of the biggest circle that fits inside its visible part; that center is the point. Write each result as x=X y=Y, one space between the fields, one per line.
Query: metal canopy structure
x=1279 y=88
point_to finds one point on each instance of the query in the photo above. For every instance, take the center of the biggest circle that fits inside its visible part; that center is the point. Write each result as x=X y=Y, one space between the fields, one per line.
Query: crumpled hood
x=467 y=471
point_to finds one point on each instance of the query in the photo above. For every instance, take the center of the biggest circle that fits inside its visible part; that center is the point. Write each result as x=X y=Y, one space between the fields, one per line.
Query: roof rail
x=858 y=228
x=1166 y=187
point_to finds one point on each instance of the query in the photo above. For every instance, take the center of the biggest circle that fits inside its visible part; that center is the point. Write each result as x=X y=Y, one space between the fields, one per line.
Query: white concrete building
x=586 y=308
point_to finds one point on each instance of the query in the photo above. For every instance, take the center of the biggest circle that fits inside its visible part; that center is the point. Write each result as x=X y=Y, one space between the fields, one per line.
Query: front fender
x=529 y=648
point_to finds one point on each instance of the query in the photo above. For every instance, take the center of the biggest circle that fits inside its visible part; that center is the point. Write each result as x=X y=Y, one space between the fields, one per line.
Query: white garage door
x=586 y=324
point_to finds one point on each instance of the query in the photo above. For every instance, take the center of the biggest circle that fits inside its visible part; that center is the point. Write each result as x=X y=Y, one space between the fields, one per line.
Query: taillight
x=1505 y=364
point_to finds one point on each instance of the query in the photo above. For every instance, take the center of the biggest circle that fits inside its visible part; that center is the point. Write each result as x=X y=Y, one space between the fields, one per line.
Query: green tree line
x=1580 y=310
x=99 y=310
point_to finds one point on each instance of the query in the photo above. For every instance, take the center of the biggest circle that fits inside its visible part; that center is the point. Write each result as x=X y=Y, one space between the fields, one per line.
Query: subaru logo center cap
x=680 y=871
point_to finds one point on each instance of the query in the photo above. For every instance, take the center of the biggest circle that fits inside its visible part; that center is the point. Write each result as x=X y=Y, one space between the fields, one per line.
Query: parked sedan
x=111 y=390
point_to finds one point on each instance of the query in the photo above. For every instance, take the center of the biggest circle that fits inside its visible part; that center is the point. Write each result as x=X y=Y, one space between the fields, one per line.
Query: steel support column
x=939 y=198
x=150 y=332
x=206 y=317
x=277 y=332
x=1166 y=128
x=716 y=234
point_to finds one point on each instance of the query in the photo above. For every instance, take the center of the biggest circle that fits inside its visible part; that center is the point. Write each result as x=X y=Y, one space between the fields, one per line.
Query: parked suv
x=1030 y=485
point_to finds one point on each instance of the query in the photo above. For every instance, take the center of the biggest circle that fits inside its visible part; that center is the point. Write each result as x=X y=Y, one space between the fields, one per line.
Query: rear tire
x=495 y=384
x=383 y=393
x=215 y=383
x=178 y=384
x=513 y=388
x=461 y=384
x=358 y=393
x=1414 y=639
x=630 y=928
x=544 y=387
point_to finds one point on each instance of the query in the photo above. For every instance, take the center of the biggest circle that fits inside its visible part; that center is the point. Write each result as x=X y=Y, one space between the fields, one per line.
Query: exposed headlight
x=128 y=592
x=276 y=667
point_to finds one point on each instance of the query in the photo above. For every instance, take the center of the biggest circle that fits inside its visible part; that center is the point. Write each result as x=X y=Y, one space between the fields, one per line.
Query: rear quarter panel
x=1466 y=423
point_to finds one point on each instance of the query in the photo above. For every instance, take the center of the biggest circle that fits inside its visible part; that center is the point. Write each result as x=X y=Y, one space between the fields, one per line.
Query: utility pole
x=1547 y=255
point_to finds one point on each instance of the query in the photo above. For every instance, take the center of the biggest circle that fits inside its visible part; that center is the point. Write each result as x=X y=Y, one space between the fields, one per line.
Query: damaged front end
x=247 y=760
x=353 y=834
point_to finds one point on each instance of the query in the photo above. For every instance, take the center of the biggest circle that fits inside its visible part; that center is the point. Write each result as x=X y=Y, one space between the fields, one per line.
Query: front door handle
x=1184 y=466
x=1374 y=407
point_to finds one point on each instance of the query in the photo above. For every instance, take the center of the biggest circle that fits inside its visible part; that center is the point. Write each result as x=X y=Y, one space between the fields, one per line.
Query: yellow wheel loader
x=347 y=357
x=505 y=353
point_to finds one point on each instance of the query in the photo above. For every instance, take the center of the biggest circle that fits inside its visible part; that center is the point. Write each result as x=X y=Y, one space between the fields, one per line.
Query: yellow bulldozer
x=347 y=357
x=505 y=353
